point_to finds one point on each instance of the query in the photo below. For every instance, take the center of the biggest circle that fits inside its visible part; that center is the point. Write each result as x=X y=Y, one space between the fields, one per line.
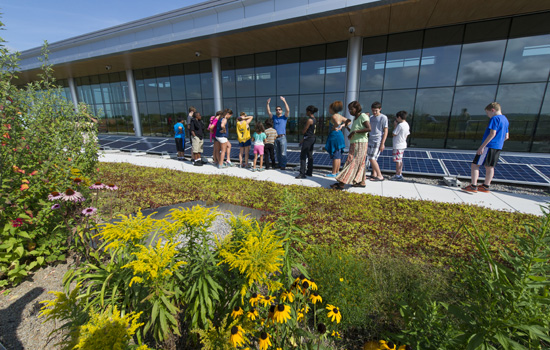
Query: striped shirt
x=271 y=136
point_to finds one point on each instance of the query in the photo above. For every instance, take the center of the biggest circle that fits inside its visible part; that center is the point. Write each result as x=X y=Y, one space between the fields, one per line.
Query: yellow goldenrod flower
x=315 y=297
x=154 y=263
x=288 y=295
x=196 y=217
x=107 y=330
x=264 y=341
x=237 y=336
x=255 y=298
x=282 y=313
x=237 y=311
x=334 y=313
x=252 y=315
x=61 y=306
x=129 y=229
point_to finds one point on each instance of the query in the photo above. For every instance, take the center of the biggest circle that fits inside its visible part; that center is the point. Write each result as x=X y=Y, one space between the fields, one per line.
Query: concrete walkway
x=513 y=202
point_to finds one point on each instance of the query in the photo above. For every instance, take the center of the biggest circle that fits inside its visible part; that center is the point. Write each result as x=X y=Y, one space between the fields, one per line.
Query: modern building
x=441 y=60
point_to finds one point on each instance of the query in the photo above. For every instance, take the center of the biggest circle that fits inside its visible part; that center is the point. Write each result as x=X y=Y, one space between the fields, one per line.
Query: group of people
x=367 y=137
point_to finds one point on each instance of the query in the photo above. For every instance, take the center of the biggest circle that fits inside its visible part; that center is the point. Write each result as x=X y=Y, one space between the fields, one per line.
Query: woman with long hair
x=222 y=133
x=335 y=142
x=354 y=171
x=308 y=143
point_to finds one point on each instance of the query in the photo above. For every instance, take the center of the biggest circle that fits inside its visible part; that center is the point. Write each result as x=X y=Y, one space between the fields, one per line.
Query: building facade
x=442 y=61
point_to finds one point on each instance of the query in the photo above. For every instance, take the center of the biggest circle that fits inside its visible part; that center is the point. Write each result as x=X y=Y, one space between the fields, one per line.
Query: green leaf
x=155 y=311
x=475 y=341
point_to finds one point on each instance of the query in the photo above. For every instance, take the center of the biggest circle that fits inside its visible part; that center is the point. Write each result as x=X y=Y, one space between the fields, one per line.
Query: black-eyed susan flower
x=264 y=341
x=282 y=313
x=321 y=328
x=300 y=315
x=336 y=334
x=271 y=313
x=287 y=295
x=237 y=311
x=252 y=314
x=315 y=297
x=237 y=336
x=312 y=284
x=267 y=300
x=255 y=299
x=334 y=313
x=405 y=347
x=387 y=346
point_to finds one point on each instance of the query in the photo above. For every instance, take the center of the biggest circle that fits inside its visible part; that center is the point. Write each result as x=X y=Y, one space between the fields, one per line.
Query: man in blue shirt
x=179 y=137
x=279 y=123
x=489 y=151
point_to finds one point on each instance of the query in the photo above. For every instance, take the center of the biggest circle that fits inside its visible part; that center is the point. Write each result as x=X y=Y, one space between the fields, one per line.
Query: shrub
x=41 y=138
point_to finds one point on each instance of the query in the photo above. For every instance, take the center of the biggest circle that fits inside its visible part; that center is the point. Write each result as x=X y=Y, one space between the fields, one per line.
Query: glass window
x=144 y=118
x=366 y=99
x=373 y=63
x=244 y=75
x=163 y=83
x=177 y=81
x=335 y=71
x=245 y=104
x=431 y=116
x=521 y=105
x=440 y=56
x=403 y=60
x=530 y=25
x=312 y=69
x=487 y=30
x=228 y=76
x=394 y=101
x=140 y=85
x=288 y=72
x=206 y=79
x=266 y=74
x=526 y=60
x=150 y=84
x=541 y=142
x=480 y=63
x=468 y=118
x=192 y=80
x=207 y=110
x=155 y=120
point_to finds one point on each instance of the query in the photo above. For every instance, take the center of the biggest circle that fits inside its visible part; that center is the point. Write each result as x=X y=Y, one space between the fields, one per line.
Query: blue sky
x=29 y=22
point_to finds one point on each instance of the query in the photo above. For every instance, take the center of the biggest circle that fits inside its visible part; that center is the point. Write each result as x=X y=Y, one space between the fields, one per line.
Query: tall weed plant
x=44 y=142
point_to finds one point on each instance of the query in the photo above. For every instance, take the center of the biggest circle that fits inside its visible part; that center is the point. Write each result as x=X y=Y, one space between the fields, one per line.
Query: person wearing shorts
x=179 y=137
x=489 y=152
x=401 y=130
x=222 y=132
x=197 y=138
x=377 y=139
x=258 y=139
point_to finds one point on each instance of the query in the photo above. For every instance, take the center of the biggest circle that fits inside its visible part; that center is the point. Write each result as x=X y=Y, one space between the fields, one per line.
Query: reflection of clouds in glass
x=520 y=98
x=479 y=71
x=311 y=83
x=474 y=99
x=335 y=82
x=523 y=63
x=434 y=101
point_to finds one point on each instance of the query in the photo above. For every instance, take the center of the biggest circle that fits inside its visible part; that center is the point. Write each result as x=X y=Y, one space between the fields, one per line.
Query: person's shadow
x=10 y=319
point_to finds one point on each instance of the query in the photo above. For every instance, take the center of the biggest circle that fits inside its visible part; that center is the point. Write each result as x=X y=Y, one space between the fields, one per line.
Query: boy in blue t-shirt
x=179 y=137
x=489 y=151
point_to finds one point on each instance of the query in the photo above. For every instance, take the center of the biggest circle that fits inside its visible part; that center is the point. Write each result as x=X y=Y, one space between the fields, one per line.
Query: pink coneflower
x=81 y=199
x=54 y=196
x=77 y=180
x=89 y=211
x=111 y=187
x=56 y=206
x=71 y=195
x=17 y=222
x=97 y=186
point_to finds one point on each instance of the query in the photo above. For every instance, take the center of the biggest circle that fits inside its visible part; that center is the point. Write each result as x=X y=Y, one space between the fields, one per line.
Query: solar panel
x=322 y=159
x=132 y=138
x=423 y=166
x=543 y=169
x=141 y=146
x=527 y=160
x=515 y=173
x=293 y=157
x=119 y=144
x=409 y=153
x=452 y=156
x=165 y=147
x=105 y=142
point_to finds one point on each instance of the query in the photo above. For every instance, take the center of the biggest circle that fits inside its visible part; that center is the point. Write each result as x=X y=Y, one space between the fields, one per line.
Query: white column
x=217 y=83
x=74 y=96
x=353 y=70
x=133 y=101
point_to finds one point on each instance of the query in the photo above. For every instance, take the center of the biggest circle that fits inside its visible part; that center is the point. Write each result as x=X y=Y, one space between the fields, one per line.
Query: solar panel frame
x=414 y=166
x=526 y=160
x=504 y=172
x=452 y=155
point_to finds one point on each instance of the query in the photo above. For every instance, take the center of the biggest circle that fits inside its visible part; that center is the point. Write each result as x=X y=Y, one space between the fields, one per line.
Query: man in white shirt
x=401 y=130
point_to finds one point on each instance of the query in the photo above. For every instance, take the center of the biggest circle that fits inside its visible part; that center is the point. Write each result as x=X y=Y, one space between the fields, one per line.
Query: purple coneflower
x=54 y=196
x=77 y=180
x=71 y=195
x=56 y=206
x=111 y=187
x=97 y=186
x=89 y=211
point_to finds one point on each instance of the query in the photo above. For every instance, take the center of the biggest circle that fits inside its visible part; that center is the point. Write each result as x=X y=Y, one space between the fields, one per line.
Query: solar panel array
x=511 y=168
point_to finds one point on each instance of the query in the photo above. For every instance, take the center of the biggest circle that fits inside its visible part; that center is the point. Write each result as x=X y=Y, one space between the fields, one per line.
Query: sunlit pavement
x=505 y=201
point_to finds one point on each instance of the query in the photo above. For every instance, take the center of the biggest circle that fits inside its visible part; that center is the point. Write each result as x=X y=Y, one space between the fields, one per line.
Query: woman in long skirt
x=354 y=171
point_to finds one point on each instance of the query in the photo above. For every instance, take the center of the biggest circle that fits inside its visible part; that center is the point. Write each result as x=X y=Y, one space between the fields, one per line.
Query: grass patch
x=360 y=223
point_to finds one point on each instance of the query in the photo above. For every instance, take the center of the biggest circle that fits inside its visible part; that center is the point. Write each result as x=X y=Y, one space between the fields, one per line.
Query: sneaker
x=483 y=189
x=397 y=178
x=261 y=169
x=222 y=166
x=331 y=175
x=228 y=164
x=253 y=169
x=300 y=176
x=470 y=188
